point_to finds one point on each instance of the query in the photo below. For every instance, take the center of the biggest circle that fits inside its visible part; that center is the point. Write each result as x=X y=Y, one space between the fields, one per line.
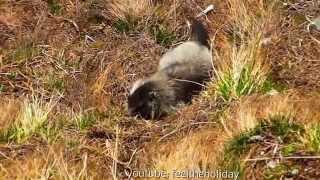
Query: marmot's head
x=149 y=99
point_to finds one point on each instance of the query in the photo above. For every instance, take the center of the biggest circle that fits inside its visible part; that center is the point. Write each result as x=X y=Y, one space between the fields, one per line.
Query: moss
x=281 y=171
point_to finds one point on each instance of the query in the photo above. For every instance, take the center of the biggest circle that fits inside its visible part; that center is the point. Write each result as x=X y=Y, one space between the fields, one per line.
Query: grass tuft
x=270 y=85
x=2 y=88
x=85 y=120
x=56 y=83
x=244 y=69
x=32 y=116
x=283 y=127
x=126 y=25
x=54 y=7
x=24 y=52
x=311 y=139
x=162 y=35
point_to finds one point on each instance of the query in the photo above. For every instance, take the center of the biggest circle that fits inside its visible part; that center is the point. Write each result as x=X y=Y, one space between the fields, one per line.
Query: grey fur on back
x=190 y=54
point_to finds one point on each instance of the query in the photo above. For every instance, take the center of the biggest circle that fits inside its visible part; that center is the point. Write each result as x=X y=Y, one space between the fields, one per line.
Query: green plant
x=122 y=26
x=242 y=69
x=245 y=73
x=85 y=120
x=277 y=172
x=2 y=88
x=51 y=131
x=312 y=138
x=162 y=35
x=282 y=127
x=33 y=115
x=25 y=51
x=279 y=126
x=54 y=7
x=12 y=75
x=127 y=24
x=270 y=85
x=235 y=148
x=289 y=149
x=56 y=84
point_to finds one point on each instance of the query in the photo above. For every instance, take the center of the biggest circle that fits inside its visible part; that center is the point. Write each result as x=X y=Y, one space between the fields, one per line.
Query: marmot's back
x=189 y=53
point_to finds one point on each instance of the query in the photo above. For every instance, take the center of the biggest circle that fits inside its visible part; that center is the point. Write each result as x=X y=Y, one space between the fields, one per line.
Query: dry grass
x=201 y=149
x=193 y=152
x=249 y=110
x=122 y=8
x=8 y=112
x=242 y=67
x=288 y=112
x=48 y=163
x=297 y=56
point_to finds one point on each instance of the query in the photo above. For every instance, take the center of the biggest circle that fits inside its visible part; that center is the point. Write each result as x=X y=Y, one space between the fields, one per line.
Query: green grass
x=23 y=52
x=162 y=35
x=85 y=120
x=54 y=7
x=242 y=67
x=122 y=26
x=128 y=24
x=244 y=73
x=236 y=148
x=2 y=88
x=229 y=87
x=33 y=115
x=52 y=131
x=278 y=126
x=55 y=83
x=285 y=129
x=12 y=75
x=312 y=138
x=271 y=85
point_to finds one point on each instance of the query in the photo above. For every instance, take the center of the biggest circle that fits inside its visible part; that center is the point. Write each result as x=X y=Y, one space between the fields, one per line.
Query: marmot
x=180 y=75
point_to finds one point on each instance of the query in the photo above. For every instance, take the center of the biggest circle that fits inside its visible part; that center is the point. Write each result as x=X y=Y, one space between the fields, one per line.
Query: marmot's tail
x=199 y=33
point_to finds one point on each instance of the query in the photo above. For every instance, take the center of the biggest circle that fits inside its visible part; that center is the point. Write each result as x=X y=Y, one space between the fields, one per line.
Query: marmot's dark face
x=145 y=102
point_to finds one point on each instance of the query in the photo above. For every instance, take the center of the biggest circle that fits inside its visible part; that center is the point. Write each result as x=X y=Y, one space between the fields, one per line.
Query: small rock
x=256 y=138
x=315 y=23
x=273 y=92
x=295 y=172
